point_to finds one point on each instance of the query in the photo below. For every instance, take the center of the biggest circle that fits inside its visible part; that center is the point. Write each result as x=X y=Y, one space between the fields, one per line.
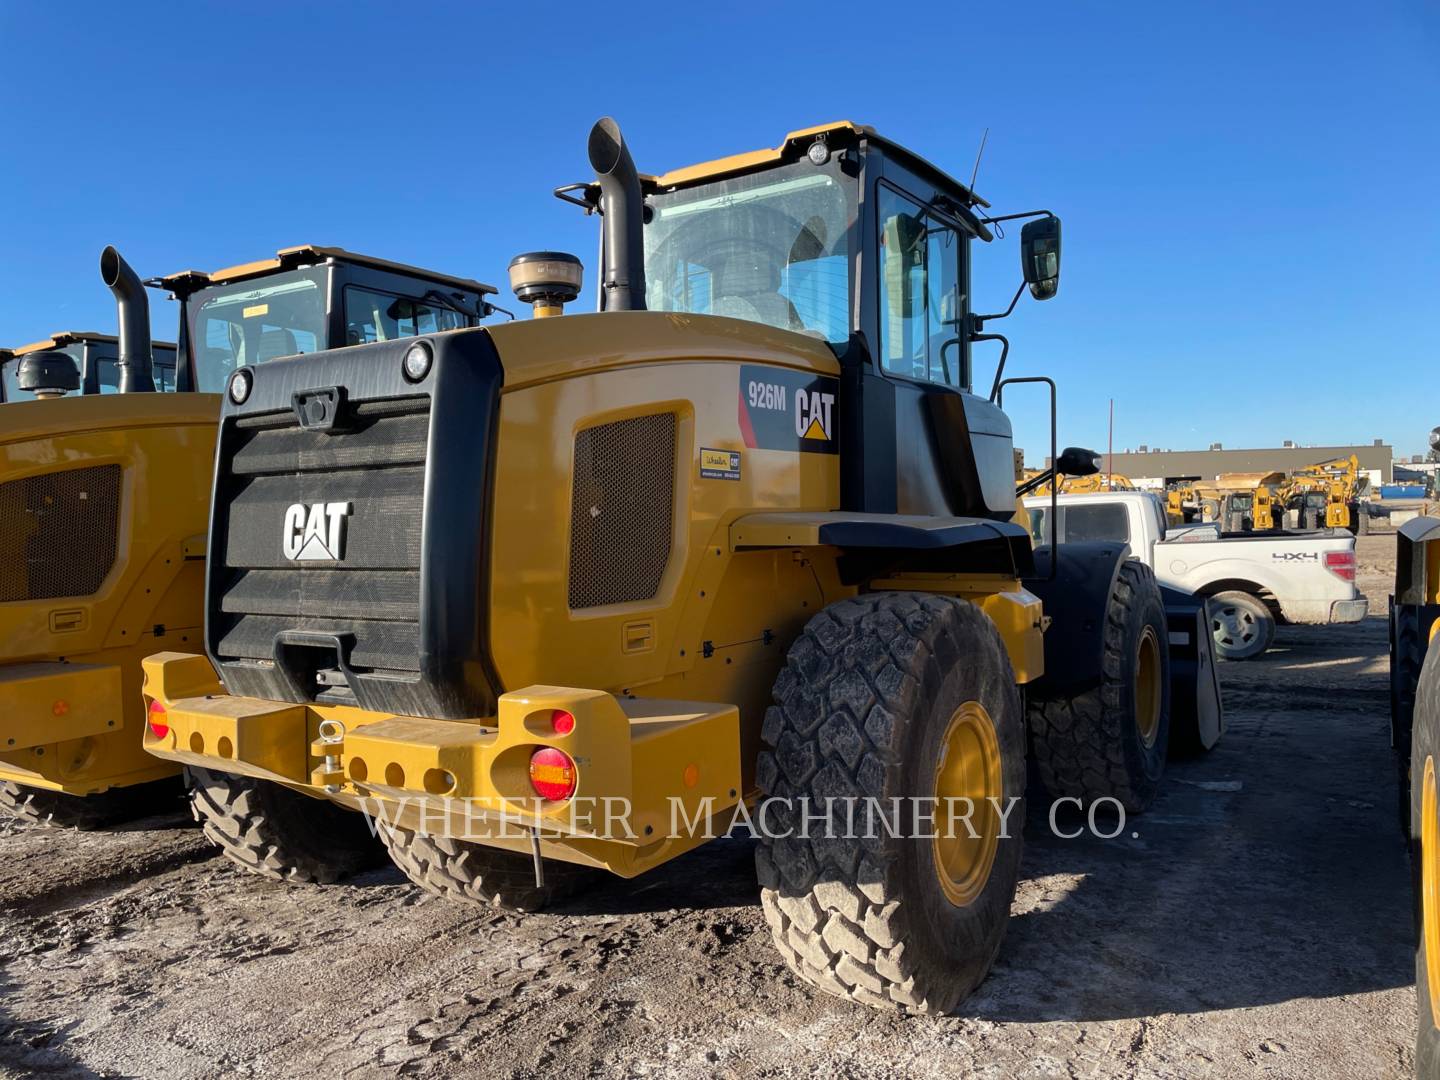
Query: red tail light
x=552 y=774
x=1341 y=564
x=563 y=722
x=157 y=717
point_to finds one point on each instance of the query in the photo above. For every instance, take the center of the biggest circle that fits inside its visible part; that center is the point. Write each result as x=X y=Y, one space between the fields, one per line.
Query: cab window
x=108 y=376
x=376 y=316
x=254 y=321
x=920 y=301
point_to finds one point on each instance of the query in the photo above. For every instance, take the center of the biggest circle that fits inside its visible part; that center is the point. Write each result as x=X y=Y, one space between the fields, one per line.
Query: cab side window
x=376 y=316
x=920 y=301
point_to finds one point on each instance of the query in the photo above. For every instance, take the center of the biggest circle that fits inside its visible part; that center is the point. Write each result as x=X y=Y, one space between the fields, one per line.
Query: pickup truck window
x=1103 y=521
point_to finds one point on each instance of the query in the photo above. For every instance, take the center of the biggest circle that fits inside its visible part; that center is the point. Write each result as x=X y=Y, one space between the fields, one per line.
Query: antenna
x=978 y=155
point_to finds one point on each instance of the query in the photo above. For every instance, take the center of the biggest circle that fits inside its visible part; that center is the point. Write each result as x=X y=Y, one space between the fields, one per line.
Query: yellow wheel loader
x=104 y=499
x=587 y=590
x=1415 y=738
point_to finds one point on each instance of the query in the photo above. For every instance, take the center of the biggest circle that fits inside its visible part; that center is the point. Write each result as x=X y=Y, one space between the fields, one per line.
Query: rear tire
x=1425 y=827
x=477 y=874
x=1111 y=741
x=891 y=695
x=278 y=833
x=56 y=809
x=1244 y=626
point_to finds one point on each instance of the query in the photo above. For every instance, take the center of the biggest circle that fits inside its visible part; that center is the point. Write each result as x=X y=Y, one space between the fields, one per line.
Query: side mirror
x=1040 y=256
x=1077 y=461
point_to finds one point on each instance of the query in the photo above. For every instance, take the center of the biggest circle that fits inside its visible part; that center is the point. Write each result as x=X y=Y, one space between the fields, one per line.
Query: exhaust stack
x=133 y=312
x=622 y=280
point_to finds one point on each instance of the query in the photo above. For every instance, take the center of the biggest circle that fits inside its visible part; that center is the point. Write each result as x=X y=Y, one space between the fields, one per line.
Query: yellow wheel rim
x=1147 y=686
x=969 y=768
x=1430 y=885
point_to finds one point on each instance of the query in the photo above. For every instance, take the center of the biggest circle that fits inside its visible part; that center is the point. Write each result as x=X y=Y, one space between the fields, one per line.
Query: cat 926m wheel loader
x=104 y=499
x=581 y=591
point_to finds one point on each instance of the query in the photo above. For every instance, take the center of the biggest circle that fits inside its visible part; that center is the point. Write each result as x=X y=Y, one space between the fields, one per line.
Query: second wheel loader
x=104 y=500
x=583 y=591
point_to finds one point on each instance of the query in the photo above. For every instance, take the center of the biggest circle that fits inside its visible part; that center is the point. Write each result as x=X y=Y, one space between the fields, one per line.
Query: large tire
x=279 y=833
x=871 y=694
x=476 y=874
x=85 y=812
x=1425 y=827
x=1407 y=657
x=1111 y=741
x=1243 y=625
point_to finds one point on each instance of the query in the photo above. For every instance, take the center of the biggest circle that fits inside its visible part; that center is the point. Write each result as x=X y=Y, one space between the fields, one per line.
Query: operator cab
x=306 y=299
x=846 y=237
x=95 y=358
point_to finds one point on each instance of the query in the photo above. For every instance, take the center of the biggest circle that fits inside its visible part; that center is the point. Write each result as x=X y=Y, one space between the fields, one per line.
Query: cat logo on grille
x=315 y=532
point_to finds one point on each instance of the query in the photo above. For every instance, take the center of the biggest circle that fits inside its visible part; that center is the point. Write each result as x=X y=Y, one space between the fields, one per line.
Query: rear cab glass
x=254 y=321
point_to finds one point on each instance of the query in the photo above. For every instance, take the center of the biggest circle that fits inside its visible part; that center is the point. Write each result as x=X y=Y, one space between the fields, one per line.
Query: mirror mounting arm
x=977 y=322
x=1016 y=217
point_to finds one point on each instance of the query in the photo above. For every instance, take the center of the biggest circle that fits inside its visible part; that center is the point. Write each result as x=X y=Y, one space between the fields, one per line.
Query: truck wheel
x=1244 y=627
x=884 y=697
x=1425 y=818
x=84 y=812
x=477 y=874
x=279 y=833
x=1111 y=741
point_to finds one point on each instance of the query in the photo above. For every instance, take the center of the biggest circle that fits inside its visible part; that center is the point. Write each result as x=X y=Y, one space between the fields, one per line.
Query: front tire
x=278 y=833
x=892 y=696
x=1244 y=626
x=1425 y=828
x=1111 y=741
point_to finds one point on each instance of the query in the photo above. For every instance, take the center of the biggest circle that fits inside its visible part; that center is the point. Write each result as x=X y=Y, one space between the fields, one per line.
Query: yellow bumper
x=45 y=703
x=641 y=765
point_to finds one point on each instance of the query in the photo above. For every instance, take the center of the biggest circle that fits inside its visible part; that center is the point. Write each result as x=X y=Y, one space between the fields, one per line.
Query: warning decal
x=788 y=410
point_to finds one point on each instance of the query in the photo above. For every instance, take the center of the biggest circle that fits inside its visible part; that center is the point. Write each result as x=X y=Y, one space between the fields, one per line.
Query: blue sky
x=1248 y=189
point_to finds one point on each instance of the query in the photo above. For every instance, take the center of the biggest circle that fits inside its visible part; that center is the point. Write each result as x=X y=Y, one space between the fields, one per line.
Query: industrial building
x=1154 y=468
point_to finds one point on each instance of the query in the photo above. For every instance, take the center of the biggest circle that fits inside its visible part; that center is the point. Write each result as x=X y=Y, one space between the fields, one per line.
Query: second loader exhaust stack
x=622 y=282
x=134 y=317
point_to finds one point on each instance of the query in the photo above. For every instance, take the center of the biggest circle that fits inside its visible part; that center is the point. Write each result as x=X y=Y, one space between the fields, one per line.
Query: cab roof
x=794 y=145
x=291 y=258
x=61 y=338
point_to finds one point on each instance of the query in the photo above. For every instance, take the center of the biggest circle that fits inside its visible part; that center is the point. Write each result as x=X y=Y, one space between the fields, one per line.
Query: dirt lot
x=1255 y=923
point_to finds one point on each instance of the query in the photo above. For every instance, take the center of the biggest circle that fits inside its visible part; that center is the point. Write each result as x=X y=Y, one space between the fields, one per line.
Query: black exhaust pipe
x=622 y=278
x=133 y=312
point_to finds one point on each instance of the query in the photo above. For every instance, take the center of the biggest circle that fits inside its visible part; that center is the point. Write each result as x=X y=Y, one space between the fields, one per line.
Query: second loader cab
x=95 y=357
x=306 y=299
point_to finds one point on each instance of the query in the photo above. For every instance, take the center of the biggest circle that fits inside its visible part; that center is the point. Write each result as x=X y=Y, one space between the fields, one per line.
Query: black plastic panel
x=399 y=616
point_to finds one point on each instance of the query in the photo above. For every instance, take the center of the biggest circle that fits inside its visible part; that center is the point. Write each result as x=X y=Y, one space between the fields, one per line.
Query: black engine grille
x=369 y=599
x=58 y=533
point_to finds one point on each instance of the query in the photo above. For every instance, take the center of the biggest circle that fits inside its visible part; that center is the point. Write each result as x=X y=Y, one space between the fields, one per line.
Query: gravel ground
x=1254 y=923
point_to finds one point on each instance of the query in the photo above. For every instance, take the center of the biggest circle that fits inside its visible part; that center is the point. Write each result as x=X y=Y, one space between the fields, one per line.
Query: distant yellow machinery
x=1240 y=501
x=1333 y=486
x=1082 y=485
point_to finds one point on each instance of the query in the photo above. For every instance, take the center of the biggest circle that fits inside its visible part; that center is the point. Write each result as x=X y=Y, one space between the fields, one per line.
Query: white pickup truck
x=1253 y=580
